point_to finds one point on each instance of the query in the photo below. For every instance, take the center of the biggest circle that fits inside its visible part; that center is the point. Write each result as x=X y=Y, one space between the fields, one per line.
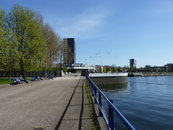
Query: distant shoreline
x=147 y=74
x=158 y=74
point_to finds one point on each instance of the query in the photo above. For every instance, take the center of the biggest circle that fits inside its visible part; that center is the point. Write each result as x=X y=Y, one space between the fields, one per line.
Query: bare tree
x=52 y=41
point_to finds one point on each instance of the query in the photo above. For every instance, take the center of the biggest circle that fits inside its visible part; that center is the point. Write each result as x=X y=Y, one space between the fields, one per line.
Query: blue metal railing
x=108 y=116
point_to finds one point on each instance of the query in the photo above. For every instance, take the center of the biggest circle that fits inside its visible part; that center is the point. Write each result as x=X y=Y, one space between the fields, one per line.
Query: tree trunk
x=22 y=70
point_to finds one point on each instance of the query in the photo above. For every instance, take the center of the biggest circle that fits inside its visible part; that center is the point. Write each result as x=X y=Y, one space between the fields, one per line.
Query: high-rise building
x=132 y=63
x=69 y=51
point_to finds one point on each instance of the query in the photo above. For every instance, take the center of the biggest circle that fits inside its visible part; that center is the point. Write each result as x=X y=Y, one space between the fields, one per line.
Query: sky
x=110 y=32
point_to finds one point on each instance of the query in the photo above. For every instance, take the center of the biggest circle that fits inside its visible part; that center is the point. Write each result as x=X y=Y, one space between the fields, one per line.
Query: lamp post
x=101 y=57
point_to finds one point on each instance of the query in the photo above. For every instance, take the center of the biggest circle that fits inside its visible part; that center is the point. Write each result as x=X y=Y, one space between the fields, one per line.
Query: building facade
x=69 y=51
x=132 y=63
x=149 y=68
x=169 y=67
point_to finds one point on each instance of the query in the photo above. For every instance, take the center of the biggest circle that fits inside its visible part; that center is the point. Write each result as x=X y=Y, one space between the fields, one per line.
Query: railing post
x=95 y=93
x=91 y=87
x=92 y=91
x=110 y=116
x=100 y=103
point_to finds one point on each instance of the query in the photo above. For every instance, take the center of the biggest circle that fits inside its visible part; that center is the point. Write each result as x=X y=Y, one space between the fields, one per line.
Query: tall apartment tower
x=69 y=51
x=132 y=63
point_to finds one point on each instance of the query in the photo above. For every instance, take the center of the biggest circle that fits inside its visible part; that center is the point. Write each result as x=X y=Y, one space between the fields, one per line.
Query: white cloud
x=85 y=24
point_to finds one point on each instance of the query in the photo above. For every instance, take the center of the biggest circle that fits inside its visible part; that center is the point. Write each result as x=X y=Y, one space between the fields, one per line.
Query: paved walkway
x=77 y=115
x=45 y=105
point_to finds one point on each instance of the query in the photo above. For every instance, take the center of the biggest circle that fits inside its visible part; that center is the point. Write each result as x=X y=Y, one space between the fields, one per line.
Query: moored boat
x=109 y=79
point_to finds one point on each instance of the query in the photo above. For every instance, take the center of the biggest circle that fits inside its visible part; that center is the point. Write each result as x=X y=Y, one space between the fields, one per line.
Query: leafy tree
x=31 y=49
x=106 y=69
x=7 y=45
x=3 y=41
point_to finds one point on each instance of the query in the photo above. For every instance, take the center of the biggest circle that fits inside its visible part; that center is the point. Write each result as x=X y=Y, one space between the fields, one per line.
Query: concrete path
x=77 y=115
x=45 y=105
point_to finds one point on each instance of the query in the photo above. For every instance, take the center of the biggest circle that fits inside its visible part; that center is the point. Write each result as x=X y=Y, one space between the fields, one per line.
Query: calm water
x=147 y=102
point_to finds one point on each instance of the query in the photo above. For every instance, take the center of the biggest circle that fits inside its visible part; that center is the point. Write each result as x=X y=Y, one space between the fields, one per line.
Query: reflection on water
x=114 y=87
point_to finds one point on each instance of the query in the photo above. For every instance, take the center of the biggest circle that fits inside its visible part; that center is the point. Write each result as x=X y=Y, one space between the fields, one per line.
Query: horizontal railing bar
x=127 y=123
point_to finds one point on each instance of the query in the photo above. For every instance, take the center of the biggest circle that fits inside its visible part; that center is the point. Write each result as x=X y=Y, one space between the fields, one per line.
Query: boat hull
x=109 y=79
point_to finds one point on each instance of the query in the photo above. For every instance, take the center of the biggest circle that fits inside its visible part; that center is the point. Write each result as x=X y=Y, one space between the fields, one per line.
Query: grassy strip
x=7 y=81
x=92 y=112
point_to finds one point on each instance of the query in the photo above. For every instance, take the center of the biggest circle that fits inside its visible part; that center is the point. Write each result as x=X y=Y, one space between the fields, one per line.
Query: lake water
x=147 y=102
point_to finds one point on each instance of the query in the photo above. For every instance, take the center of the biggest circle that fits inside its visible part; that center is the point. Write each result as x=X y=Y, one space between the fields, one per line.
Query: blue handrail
x=111 y=108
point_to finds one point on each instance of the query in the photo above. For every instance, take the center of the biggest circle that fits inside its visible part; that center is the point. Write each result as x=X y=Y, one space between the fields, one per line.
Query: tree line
x=26 y=42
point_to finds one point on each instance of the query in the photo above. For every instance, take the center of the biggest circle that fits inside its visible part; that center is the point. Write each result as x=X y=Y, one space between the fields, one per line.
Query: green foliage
x=92 y=113
x=65 y=69
x=107 y=69
x=3 y=41
x=31 y=51
x=26 y=43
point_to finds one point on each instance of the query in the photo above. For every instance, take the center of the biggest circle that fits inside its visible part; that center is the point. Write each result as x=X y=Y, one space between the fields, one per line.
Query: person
x=16 y=81
x=23 y=80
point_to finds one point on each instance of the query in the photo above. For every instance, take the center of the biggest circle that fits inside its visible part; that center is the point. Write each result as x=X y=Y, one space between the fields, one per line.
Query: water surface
x=147 y=102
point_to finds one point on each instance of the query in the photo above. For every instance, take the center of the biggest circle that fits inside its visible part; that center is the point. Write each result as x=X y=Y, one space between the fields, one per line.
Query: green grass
x=5 y=81
x=28 y=78
x=92 y=109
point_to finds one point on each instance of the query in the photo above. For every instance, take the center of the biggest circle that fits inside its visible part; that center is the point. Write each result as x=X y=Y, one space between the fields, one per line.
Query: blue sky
x=113 y=31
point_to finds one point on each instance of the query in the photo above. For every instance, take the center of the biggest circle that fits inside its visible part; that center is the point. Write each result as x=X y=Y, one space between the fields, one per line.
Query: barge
x=109 y=79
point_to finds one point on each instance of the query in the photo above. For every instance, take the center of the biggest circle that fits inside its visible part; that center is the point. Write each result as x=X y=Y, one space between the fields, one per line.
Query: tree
x=106 y=69
x=52 y=42
x=3 y=41
x=61 y=54
x=31 y=47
